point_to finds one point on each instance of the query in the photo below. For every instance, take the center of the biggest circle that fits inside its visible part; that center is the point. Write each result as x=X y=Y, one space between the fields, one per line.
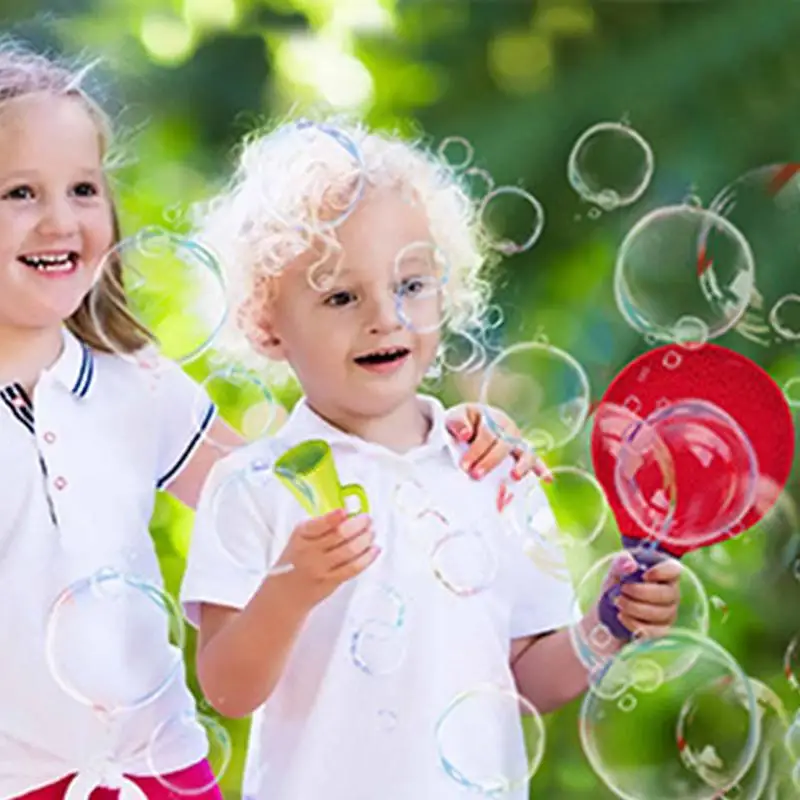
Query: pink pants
x=190 y=780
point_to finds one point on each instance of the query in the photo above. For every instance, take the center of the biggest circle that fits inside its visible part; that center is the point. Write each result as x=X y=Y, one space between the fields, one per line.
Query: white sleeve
x=535 y=576
x=184 y=412
x=233 y=544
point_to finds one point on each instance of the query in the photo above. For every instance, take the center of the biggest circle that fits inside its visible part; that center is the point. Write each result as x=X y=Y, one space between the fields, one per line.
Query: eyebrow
x=31 y=174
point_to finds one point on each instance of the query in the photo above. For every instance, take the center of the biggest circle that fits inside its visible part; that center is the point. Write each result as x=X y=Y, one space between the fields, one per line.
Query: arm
x=546 y=669
x=220 y=440
x=241 y=654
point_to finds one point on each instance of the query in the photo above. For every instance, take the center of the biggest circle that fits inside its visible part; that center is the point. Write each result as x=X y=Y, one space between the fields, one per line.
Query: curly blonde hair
x=291 y=188
x=25 y=72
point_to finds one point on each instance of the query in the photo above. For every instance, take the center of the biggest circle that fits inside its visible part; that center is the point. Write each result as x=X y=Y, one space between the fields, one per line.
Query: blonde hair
x=24 y=72
x=279 y=206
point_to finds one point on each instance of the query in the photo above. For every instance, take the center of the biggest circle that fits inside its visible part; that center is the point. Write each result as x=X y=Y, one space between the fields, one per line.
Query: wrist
x=300 y=593
x=597 y=640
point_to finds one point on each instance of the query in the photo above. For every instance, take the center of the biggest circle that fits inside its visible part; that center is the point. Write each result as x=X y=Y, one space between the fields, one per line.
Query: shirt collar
x=305 y=423
x=74 y=368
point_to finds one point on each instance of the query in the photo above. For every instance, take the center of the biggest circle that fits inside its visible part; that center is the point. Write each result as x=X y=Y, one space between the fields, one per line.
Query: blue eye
x=339 y=299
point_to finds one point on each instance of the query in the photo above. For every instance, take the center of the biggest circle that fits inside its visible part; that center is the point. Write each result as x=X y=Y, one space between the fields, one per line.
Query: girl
x=87 y=436
x=385 y=653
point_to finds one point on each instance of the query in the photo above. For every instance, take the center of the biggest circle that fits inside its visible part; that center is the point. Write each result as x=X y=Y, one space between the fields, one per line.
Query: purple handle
x=646 y=557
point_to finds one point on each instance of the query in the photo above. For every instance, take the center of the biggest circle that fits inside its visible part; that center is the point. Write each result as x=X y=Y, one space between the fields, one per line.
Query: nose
x=58 y=218
x=383 y=314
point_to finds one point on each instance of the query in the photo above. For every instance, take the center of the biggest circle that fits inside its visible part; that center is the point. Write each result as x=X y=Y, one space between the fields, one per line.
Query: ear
x=261 y=334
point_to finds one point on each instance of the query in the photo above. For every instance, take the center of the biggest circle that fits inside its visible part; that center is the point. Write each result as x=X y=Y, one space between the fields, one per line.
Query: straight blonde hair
x=104 y=314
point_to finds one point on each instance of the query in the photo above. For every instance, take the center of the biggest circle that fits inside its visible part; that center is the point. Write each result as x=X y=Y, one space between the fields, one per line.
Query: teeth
x=383 y=355
x=50 y=263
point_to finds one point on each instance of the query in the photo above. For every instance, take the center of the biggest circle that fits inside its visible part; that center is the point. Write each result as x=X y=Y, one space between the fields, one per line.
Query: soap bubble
x=680 y=269
x=610 y=165
x=702 y=724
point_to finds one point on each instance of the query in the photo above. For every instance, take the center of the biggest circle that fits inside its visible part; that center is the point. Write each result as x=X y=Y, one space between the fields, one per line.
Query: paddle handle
x=646 y=557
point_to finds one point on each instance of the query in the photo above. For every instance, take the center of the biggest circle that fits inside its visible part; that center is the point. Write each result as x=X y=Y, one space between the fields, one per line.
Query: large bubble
x=764 y=204
x=769 y=767
x=683 y=274
x=578 y=503
x=691 y=736
x=196 y=782
x=610 y=165
x=480 y=741
x=105 y=641
x=687 y=473
x=243 y=400
x=243 y=520
x=543 y=389
x=165 y=283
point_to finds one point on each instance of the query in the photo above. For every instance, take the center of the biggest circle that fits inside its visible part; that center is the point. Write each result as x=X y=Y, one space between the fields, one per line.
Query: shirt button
x=49 y=437
x=60 y=483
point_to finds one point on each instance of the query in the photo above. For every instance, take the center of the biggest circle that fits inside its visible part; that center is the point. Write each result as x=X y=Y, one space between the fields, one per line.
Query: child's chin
x=47 y=315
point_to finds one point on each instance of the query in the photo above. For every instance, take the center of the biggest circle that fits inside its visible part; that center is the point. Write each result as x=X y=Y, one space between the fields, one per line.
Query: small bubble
x=627 y=703
x=456 y=151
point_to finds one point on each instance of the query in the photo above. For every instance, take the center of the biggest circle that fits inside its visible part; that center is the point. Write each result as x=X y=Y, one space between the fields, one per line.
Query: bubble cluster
x=696 y=700
x=597 y=648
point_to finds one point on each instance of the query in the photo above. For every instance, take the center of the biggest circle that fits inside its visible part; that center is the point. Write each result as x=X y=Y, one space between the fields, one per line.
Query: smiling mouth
x=51 y=262
x=386 y=356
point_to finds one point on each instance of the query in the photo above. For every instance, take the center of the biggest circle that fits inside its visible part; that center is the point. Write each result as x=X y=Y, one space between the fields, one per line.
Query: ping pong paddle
x=710 y=377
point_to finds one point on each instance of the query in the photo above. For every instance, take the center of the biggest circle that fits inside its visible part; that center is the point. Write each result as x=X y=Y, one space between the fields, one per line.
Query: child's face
x=336 y=340
x=55 y=215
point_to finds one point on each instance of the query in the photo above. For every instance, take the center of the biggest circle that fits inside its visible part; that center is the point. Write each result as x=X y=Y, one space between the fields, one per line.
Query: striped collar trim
x=19 y=404
x=74 y=368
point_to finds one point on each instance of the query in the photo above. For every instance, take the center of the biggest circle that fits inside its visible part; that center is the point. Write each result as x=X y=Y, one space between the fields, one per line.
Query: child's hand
x=648 y=608
x=326 y=551
x=487 y=450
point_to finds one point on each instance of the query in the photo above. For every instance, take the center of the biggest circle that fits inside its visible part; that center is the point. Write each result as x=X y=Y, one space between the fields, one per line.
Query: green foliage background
x=713 y=87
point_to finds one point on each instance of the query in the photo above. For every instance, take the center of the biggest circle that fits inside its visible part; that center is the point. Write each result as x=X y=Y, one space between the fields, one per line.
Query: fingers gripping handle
x=646 y=557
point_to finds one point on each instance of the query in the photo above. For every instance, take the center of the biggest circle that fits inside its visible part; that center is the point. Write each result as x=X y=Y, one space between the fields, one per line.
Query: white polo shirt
x=80 y=463
x=360 y=711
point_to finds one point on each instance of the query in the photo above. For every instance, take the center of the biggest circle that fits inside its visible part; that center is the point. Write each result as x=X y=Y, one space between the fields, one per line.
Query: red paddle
x=719 y=379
